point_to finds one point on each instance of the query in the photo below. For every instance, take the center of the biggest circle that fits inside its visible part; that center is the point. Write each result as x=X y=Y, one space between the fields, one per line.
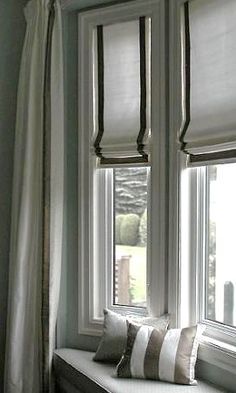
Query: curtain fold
x=37 y=203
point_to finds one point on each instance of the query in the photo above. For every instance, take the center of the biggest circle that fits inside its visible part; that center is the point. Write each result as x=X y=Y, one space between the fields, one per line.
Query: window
x=180 y=273
x=213 y=217
x=122 y=162
x=186 y=95
x=206 y=120
x=220 y=266
x=130 y=240
x=208 y=273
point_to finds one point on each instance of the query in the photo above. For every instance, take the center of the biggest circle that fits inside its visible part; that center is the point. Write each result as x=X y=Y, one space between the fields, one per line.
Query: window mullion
x=201 y=222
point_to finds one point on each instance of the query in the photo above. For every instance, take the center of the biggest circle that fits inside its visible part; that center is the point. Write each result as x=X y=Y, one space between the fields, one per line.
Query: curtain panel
x=37 y=203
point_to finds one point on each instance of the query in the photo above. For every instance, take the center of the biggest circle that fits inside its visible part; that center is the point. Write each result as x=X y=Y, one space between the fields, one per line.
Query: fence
x=122 y=280
x=123 y=289
x=229 y=303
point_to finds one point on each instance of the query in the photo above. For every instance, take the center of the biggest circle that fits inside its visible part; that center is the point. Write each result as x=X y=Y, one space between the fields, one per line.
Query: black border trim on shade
x=187 y=75
x=143 y=88
x=123 y=160
x=100 y=68
x=214 y=156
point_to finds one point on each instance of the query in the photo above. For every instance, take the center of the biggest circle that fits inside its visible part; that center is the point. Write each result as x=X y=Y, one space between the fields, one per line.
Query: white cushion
x=78 y=368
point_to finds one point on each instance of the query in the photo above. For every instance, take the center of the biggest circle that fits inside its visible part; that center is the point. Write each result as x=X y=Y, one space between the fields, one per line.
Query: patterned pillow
x=152 y=354
x=113 y=341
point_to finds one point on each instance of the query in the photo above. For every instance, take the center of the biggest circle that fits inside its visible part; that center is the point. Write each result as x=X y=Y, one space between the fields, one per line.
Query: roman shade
x=122 y=126
x=209 y=132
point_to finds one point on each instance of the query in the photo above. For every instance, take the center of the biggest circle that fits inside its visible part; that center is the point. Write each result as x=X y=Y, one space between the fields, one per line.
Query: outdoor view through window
x=221 y=247
x=130 y=229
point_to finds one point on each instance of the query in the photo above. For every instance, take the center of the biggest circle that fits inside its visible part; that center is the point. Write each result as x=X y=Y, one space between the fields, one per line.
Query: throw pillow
x=113 y=341
x=152 y=354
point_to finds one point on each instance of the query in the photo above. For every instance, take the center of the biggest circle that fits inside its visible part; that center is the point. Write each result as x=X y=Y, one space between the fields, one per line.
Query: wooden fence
x=229 y=303
x=123 y=289
x=122 y=280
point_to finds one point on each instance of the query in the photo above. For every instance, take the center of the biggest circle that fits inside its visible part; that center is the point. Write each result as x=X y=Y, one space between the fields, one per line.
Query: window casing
x=189 y=208
x=96 y=185
x=213 y=192
x=202 y=138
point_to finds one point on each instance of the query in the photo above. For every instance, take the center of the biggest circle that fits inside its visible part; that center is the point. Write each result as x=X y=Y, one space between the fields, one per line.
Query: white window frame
x=216 y=347
x=89 y=321
x=218 y=342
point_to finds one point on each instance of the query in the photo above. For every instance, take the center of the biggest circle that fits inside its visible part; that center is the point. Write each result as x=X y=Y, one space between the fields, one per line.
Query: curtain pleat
x=46 y=198
x=36 y=227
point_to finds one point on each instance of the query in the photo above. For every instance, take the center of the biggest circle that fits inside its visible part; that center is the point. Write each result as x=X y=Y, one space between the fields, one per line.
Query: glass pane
x=130 y=236
x=221 y=250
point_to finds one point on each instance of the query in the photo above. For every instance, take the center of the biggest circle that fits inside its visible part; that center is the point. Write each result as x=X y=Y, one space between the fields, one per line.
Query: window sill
x=94 y=326
x=217 y=353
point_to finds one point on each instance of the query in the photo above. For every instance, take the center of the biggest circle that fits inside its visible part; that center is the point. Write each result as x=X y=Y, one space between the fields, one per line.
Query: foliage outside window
x=221 y=250
x=130 y=260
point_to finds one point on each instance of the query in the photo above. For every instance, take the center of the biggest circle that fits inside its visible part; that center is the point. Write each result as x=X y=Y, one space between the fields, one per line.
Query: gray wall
x=12 y=27
x=67 y=334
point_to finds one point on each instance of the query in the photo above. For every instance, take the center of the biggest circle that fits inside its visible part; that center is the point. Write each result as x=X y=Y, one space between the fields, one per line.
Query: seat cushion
x=76 y=368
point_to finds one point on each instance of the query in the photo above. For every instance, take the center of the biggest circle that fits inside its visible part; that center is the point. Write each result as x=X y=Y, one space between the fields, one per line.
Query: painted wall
x=12 y=28
x=67 y=332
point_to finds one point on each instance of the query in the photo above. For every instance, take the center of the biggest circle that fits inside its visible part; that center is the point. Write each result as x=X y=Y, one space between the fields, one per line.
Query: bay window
x=157 y=143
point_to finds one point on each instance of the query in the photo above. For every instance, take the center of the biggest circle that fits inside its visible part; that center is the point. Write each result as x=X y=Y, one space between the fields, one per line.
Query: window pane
x=221 y=248
x=130 y=248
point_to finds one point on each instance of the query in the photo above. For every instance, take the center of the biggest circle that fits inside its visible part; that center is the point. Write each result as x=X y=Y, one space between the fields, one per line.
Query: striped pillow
x=152 y=354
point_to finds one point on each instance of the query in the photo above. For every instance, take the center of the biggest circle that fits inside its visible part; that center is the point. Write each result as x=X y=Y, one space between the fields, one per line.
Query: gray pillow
x=113 y=341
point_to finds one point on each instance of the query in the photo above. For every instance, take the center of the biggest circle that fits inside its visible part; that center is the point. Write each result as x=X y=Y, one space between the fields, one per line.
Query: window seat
x=76 y=372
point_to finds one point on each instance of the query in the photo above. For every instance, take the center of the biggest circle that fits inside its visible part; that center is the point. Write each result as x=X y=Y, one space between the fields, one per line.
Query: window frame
x=216 y=345
x=89 y=322
x=140 y=310
x=214 y=329
x=218 y=342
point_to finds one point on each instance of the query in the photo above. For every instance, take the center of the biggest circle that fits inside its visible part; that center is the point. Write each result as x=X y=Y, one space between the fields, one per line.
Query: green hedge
x=119 y=220
x=143 y=229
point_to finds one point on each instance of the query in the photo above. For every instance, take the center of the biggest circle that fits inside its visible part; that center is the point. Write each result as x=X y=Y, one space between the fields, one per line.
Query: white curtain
x=37 y=204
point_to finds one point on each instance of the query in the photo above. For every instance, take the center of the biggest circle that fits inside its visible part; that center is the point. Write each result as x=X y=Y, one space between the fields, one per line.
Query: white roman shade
x=210 y=43
x=123 y=92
